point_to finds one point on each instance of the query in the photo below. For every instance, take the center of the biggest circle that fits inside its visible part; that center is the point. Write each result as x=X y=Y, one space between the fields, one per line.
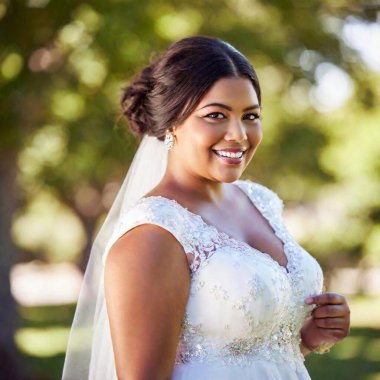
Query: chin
x=228 y=177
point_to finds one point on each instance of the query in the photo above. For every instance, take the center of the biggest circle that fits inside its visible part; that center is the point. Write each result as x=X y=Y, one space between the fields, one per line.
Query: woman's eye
x=252 y=116
x=215 y=115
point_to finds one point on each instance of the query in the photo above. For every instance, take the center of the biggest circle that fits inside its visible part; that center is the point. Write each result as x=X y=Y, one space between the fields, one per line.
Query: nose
x=236 y=131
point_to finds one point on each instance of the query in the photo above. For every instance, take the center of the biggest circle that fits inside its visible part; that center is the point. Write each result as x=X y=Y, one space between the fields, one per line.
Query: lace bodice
x=243 y=305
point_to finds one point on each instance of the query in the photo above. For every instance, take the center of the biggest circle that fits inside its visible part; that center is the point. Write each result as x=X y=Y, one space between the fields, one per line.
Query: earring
x=169 y=140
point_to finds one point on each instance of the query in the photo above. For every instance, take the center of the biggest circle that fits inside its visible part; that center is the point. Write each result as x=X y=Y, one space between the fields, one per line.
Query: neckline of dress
x=284 y=269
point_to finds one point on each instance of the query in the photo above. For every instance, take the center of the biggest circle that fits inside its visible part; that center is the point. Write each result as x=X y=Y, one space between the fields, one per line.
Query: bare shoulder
x=147 y=282
x=148 y=245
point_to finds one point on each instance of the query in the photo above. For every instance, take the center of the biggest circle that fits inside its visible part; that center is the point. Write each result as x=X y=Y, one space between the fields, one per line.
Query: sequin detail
x=243 y=305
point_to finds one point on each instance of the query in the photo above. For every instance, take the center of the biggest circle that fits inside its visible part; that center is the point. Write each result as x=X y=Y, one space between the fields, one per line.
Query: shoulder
x=146 y=246
x=155 y=208
x=262 y=195
x=160 y=211
x=160 y=221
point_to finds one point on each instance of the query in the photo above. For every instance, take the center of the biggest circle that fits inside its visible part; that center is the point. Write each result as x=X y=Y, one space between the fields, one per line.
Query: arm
x=146 y=288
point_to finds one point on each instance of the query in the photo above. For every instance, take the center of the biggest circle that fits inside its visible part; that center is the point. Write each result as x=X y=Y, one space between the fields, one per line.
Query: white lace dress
x=245 y=310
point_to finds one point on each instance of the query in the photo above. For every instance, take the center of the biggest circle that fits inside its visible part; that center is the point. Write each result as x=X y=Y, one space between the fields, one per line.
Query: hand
x=329 y=321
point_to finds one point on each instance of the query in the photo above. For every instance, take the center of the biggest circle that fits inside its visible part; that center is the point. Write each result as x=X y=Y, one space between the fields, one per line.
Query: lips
x=230 y=155
x=232 y=150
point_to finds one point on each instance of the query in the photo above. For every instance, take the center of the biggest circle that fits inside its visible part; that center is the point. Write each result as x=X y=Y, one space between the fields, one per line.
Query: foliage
x=63 y=65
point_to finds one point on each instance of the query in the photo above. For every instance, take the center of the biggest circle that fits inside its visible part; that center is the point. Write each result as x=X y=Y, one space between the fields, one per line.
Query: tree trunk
x=9 y=321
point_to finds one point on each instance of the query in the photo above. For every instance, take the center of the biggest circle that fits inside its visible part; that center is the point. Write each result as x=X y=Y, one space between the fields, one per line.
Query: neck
x=191 y=187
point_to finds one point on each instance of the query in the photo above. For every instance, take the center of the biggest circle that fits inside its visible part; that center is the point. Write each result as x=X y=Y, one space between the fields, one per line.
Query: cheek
x=256 y=135
x=207 y=137
x=195 y=144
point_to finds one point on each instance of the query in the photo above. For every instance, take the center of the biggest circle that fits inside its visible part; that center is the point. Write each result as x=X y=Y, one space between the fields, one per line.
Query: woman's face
x=219 y=138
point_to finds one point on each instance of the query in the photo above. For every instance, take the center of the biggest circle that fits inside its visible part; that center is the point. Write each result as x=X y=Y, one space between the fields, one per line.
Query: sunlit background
x=64 y=152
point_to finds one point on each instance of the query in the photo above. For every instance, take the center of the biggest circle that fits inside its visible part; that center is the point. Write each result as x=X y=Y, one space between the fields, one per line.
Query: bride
x=194 y=274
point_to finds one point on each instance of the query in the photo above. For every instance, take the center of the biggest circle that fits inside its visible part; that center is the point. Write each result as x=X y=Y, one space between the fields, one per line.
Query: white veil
x=89 y=353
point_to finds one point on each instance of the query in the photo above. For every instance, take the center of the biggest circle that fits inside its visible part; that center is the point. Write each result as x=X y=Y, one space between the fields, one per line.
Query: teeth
x=230 y=154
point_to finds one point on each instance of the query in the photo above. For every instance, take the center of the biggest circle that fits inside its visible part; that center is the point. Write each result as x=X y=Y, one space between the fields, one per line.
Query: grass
x=355 y=358
x=43 y=337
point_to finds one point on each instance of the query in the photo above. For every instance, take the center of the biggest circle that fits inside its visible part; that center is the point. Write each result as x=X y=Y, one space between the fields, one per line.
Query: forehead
x=232 y=90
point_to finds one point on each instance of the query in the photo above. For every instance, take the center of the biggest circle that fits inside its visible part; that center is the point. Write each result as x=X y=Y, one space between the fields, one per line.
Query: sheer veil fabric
x=89 y=353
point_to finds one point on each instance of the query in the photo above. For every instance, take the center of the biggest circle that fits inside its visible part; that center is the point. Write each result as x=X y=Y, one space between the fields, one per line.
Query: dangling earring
x=169 y=140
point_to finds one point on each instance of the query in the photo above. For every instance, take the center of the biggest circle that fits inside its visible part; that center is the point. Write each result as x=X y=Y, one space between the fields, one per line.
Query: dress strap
x=159 y=211
x=197 y=241
x=262 y=197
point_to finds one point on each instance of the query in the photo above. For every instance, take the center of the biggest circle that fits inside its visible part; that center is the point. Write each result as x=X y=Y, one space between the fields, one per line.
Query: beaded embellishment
x=261 y=303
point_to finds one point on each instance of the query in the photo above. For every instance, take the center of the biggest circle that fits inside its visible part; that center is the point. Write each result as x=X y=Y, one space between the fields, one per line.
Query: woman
x=194 y=273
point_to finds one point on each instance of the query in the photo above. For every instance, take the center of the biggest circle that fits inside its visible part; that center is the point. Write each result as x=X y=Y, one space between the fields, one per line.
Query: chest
x=242 y=297
x=242 y=221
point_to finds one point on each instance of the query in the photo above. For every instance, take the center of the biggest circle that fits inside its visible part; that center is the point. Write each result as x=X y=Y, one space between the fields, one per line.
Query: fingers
x=326 y=299
x=334 y=334
x=330 y=311
x=330 y=323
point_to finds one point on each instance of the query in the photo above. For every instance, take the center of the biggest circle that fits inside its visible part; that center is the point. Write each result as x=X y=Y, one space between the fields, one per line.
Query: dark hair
x=169 y=89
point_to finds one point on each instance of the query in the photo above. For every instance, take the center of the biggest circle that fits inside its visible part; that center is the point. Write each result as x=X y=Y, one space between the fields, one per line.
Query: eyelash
x=257 y=116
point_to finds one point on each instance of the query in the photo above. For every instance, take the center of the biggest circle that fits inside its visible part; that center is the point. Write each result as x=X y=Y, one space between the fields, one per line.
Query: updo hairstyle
x=167 y=91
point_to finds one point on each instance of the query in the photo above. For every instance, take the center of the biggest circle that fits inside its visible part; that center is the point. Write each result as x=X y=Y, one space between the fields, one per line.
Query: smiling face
x=219 y=138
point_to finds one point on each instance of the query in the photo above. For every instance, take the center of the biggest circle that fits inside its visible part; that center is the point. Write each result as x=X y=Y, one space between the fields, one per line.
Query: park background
x=64 y=151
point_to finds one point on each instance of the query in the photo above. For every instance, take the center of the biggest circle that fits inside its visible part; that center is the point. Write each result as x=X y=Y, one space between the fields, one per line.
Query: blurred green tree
x=62 y=65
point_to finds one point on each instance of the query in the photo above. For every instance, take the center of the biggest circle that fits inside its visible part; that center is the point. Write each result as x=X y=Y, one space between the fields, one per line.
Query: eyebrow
x=228 y=107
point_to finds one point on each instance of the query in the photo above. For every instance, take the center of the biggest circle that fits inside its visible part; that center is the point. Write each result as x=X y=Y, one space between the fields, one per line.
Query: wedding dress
x=245 y=310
